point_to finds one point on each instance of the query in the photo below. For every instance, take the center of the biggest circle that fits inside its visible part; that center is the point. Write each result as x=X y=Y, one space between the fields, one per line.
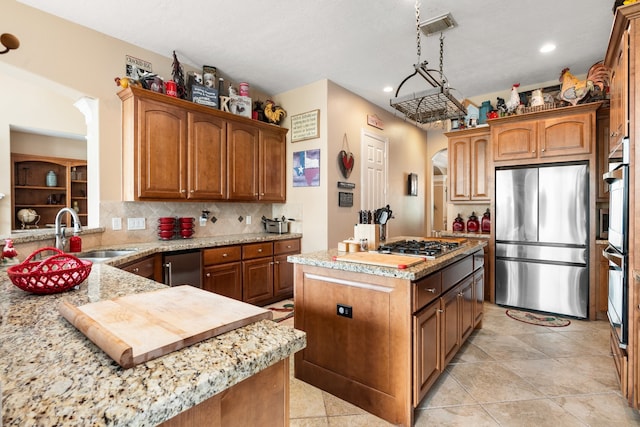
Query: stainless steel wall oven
x=617 y=252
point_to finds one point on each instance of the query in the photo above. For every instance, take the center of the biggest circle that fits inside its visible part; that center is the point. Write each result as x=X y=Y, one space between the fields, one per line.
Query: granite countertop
x=159 y=246
x=467 y=235
x=51 y=374
x=326 y=259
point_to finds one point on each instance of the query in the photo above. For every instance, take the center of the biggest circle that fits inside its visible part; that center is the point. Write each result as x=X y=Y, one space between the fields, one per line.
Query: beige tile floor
x=508 y=373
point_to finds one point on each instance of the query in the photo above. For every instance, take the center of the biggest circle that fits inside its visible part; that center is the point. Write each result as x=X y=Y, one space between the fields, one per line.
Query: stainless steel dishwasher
x=183 y=268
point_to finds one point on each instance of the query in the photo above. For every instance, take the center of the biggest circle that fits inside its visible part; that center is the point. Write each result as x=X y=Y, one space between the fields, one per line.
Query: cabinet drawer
x=222 y=255
x=456 y=272
x=478 y=259
x=426 y=290
x=286 y=246
x=257 y=250
x=144 y=267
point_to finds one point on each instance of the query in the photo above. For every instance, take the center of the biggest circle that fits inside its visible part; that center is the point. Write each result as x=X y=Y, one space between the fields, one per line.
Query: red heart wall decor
x=345 y=161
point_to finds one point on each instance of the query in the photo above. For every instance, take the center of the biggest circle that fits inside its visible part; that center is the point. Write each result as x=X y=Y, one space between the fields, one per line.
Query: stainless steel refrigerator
x=542 y=252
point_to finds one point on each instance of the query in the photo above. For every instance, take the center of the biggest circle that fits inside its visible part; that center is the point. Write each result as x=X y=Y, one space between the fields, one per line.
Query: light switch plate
x=136 y=224
x=116 y=223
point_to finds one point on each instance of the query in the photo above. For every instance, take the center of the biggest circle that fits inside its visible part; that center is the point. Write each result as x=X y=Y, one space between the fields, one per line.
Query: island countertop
x=51 y=374
x=327 y=259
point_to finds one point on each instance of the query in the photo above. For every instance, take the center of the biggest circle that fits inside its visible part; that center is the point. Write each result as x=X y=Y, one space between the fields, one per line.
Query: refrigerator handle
x=612 y=255
x=168 y=273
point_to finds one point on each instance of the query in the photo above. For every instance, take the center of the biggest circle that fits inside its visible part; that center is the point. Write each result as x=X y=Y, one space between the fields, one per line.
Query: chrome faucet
x=60 y=237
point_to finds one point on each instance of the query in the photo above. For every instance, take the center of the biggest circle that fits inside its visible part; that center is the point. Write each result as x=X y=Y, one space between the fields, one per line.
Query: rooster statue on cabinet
x=273 y=112
x=574 y=90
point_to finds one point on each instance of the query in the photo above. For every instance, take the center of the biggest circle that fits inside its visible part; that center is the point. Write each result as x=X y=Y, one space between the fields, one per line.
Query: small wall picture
x=412 y=184
x=306 y=168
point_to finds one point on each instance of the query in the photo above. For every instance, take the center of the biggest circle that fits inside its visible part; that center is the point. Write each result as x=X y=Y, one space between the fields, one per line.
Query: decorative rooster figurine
x=514 y=99
x=273 y=113
x=574 y=90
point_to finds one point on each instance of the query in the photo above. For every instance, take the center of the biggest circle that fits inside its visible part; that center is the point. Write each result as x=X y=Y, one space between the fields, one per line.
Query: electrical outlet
x=203 y=221
x=136 y=224
x=248 y=219
x=116 y=223
x=344 y=310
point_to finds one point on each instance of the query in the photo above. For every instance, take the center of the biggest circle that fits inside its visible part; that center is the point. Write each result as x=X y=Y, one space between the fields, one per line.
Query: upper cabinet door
x=514 y=141
x=242 y=141
x=479 y=148
x=161 y=150
x=459 y=165
x=207 y=157
x=273 y=159
x=567 y=136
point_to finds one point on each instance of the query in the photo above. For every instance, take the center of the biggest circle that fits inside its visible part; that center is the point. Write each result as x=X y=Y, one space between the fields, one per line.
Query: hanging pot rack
x=433 y=104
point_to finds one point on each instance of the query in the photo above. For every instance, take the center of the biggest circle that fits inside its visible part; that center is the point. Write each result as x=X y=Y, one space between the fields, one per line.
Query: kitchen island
x=379 y=337
x=52 y=375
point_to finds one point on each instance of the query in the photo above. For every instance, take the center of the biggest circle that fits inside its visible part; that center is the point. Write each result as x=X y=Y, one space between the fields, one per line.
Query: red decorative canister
x=473 y=225
x=458 y=223
x=485 y=226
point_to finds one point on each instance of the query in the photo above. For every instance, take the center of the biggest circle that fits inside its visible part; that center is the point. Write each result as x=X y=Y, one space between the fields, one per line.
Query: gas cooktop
x=429 y=249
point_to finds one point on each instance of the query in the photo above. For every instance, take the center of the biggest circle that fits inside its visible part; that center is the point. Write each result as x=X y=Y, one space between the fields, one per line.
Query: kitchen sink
x=101 y=255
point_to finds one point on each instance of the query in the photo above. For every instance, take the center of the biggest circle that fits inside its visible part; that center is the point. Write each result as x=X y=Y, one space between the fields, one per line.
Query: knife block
x=371 y=232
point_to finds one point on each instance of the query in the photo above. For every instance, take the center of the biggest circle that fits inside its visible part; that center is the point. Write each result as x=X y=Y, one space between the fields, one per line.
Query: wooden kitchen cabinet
x=273 y=165
x=283 y=269
x=29 y=189
x=222 y=271
x=177 y=150
x=256 y=273
x=149 y=267
x=257 y=163
x=207 y=157
x=542 y=137
x=427 y=359
x=602 y=150
x=243 y=161
x=617 y=60
x=469 y=165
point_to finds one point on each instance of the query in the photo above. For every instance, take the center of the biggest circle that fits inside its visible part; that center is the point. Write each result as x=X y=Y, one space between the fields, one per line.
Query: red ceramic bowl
x=166 y=234
x=167 y=220
x=186 y=226
x=166 y=227
x=186 y=232
x=186 y=220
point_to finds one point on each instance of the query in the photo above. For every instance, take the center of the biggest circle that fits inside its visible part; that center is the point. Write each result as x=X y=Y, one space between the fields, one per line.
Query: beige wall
x=323 y=222
x=55 y=146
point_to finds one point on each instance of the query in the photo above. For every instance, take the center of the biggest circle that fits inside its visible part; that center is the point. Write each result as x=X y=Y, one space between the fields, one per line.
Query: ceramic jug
x=484 y=110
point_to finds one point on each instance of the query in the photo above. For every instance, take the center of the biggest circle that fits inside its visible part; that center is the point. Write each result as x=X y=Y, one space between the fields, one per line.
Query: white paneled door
x=374 y=170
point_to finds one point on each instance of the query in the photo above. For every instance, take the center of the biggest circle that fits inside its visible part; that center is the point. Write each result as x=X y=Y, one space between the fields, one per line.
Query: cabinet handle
x=208 y=274
x=460 y=294
x=225 y=255
x=135 y=270
x=533 y=151
x=259 y=250
x=277 y=262
x=262 y=194
x=432 y=290
x=192 y=191
x=542 y=150
x=439 y=310
x=183 y=191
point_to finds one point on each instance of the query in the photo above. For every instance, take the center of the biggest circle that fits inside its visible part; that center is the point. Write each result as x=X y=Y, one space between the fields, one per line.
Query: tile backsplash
x=230 y=218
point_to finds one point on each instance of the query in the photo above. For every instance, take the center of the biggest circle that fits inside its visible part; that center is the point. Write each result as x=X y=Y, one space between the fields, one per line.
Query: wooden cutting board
x=383 y=260
x=136 y=328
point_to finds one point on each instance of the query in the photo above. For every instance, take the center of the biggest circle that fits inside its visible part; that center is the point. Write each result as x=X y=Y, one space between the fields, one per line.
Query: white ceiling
x=361 y=45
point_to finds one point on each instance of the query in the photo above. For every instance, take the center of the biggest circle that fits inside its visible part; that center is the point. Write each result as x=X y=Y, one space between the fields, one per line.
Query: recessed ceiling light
x=388 y=89
x=548 y=47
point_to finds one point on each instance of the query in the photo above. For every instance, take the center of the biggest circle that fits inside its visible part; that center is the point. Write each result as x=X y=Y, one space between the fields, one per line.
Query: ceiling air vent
x=438 y=24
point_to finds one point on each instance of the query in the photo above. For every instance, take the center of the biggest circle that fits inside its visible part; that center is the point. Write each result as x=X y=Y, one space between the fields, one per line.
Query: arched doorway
x=439 y=162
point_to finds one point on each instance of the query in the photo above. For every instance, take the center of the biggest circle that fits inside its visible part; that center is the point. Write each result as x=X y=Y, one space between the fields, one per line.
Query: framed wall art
x=305 y=126
x=306 y=168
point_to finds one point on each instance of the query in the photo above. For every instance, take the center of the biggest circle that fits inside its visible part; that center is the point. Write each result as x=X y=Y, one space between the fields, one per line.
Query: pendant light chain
x=442 y=58
x=419 y=48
